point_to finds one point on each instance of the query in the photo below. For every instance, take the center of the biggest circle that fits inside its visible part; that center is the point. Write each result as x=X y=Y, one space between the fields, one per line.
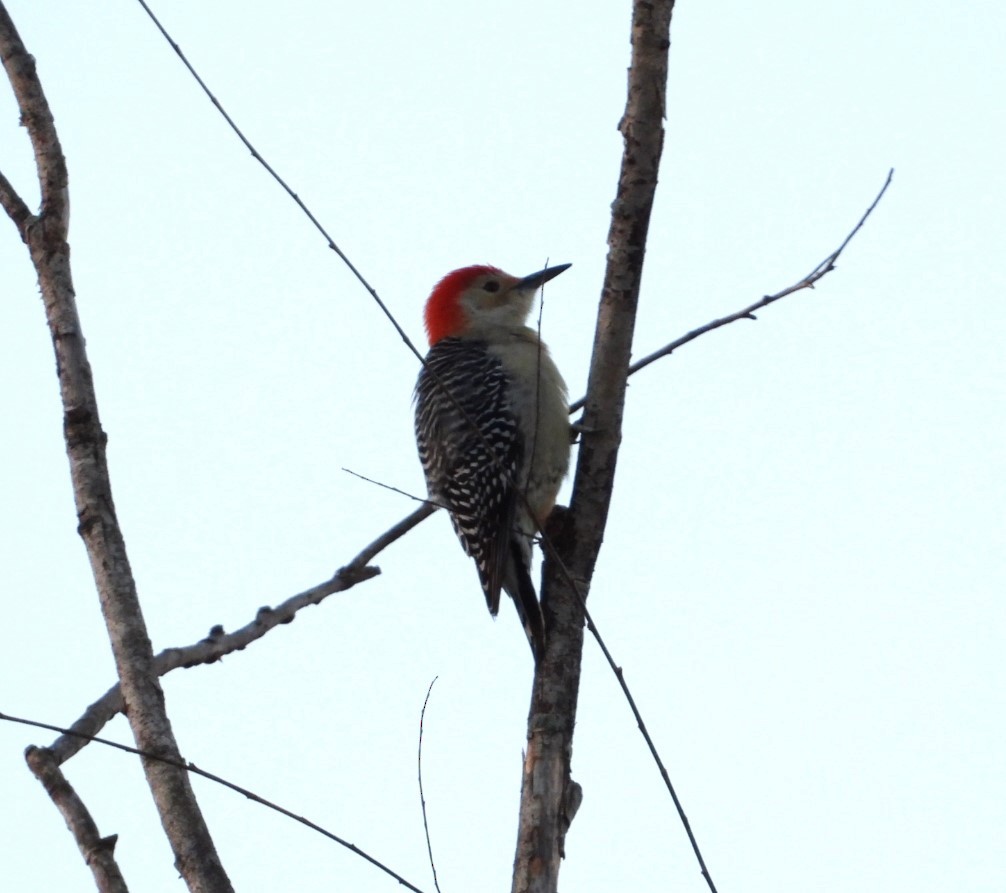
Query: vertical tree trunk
x=549 y=797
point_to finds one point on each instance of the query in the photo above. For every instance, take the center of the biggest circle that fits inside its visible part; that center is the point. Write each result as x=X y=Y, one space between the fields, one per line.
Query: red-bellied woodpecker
x=492 y=426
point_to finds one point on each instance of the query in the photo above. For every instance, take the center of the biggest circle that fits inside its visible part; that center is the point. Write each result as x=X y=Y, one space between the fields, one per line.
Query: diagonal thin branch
x=808 y=281
x=330 y=241
x=218 y=644
x=383 y=486
x=281 y=182
x=42 y=755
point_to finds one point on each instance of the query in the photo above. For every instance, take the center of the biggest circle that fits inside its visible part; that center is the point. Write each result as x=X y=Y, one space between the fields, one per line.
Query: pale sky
x=803 y=573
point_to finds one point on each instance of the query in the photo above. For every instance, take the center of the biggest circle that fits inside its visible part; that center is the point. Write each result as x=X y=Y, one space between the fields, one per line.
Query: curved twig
x=422 y=796
x=282 y=183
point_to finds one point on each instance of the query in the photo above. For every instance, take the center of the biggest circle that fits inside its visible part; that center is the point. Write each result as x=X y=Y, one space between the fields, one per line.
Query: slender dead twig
x=281 y=182
x=422 y=796
x=44 y=758
x=808 y=281
x=383 y=486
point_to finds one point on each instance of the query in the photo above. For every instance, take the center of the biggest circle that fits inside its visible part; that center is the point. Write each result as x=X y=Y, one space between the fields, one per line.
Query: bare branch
x=195 y=855
x=98 y=851
x=384 y=486
x=808 y=281
x=210 y=650
x=218 y=644
x=549 y=797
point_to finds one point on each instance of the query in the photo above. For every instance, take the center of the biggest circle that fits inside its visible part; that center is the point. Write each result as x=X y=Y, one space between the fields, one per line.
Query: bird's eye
x=491 y=285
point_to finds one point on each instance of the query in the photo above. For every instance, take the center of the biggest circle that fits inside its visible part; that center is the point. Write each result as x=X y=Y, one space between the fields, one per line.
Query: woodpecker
x=492 y=427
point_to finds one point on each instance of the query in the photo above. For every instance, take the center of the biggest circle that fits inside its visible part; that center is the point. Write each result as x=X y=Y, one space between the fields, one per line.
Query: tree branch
x=195 y=855
x=98 y=851
x=218 y=644
x=808 y=281
x=422 y=796
x=549 y=797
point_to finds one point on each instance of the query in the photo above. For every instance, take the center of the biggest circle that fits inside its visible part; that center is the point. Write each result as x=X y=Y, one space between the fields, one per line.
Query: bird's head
x=482 y=298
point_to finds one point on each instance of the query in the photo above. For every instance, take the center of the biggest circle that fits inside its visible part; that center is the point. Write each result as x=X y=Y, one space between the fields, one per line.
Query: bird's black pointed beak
x=536 y=280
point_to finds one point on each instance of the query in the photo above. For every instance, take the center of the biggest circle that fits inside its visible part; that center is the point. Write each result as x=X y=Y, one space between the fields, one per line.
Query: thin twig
x=537 y=386
x=808 y=281
x=282 y=183
x=195 y=770
x=422 y=796
x=384 y=486
x=620 y=676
